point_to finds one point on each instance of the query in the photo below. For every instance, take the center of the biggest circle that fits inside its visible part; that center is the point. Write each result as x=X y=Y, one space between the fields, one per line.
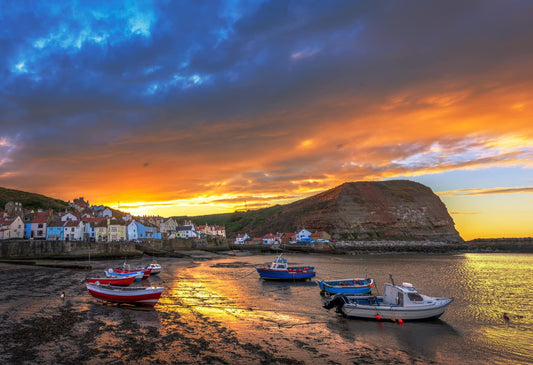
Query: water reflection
x=420 y=338
x=499 y=284
x=228 y=293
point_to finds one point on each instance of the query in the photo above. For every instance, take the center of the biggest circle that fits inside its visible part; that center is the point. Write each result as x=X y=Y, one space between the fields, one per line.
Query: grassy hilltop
x=30 y=200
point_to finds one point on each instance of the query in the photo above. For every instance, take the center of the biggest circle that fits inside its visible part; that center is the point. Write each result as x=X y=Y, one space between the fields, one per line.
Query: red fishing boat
x=118 y=280
x=130 y=294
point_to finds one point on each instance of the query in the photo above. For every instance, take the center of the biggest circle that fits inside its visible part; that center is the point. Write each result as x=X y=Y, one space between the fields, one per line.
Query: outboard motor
x=336 y=301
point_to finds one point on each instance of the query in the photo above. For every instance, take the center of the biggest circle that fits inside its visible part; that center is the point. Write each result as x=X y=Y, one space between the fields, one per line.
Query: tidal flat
x=218 y=311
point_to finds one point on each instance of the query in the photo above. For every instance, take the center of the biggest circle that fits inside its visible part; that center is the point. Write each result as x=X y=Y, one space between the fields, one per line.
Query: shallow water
x=220 y=312
x=289 y=316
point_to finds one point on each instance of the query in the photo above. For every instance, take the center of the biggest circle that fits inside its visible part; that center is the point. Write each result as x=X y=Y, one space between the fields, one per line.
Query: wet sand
x=38 y=326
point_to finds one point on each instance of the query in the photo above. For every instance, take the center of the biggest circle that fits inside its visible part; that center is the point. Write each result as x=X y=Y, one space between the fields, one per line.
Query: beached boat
x=130 y=295
x=155 y=268
x=346 y=286
x=126 y=268
x=111 y=273
x=279 y=269
x=399 y=303
x=116 y=280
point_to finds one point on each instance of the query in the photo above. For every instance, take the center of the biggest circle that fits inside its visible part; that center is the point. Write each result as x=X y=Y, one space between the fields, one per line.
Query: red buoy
x=378 y=316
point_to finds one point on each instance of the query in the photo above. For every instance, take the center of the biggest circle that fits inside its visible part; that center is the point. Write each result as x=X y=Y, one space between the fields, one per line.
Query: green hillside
x=30 y=200
x=238 y=221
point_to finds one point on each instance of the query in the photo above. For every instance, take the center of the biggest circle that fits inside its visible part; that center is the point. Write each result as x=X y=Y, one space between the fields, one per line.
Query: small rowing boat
x=346 y=286
x=116 y=280
x=147 y=296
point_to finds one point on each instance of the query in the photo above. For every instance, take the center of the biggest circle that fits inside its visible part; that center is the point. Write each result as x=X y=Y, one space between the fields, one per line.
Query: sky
x=200 y=107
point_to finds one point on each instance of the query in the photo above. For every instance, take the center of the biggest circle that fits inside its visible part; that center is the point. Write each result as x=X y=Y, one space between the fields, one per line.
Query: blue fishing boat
x=279 y=269
x=111 y=273
x=346 y=286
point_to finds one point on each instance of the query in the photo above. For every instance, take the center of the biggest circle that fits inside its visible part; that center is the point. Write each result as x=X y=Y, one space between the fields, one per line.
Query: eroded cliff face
x=398 y=209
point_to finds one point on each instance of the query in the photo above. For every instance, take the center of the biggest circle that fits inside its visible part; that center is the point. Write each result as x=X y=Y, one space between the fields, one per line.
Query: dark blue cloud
x=91 y=74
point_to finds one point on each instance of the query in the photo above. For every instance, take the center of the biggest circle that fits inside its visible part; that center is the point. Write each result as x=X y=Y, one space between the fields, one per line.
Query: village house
x=90 y=223
x=257 y=240
x=80 y=205
x=13 y=209
x=116 y=230
x=38 y=225
x=168 y=227
x=303 y=234
x=186 y=232
x=68 y=216
x=11 y=228
x=73 y=230
x=321 y=236
x=214 y=231
x=55 y=231
x=241 y=239
x=106 y=212
x=100 y=231
x=269 y=239
x=286 y=238
x=132 y=231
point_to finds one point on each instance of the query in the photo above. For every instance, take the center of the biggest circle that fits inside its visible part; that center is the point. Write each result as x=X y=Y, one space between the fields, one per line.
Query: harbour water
x=219 y=311
x=289 y=316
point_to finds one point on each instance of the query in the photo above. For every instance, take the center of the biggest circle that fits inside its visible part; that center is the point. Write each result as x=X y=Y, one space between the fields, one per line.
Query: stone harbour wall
x=17 y=249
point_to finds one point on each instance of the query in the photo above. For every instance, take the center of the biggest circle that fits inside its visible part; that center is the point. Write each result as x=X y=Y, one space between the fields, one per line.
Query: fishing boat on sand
x=346 y=286
x=279 y=269
x=155 y=268
x=116 y=280
x=127 y=268
x=398 y=303
x=111 y=273
x=129 y=295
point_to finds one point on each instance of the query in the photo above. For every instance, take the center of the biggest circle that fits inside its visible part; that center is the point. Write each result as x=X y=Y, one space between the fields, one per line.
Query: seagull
x=63 y=296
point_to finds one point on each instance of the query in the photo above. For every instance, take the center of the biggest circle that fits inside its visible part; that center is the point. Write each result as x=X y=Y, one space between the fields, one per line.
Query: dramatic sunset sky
x=200 y=107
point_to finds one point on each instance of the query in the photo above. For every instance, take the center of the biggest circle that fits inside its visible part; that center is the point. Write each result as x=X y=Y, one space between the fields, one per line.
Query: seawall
x=32 y=249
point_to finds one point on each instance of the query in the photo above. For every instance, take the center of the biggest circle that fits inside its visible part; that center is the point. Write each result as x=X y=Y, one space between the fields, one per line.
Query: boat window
x=415 y=297
x=399 y=299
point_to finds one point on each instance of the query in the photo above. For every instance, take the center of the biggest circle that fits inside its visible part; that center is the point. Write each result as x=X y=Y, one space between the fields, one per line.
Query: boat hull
x=156 y=269
x=145 y=272
x=346 y=286
x=130 y=295
x=138 y=276
x=269 y=274
x=423 y=312
x=121 y=281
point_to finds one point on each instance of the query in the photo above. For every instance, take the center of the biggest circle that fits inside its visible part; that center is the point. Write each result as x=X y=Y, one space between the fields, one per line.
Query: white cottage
x=73 y=230
x=132 y=231
x=12 y=227
x=241 y=239
x=303 y=234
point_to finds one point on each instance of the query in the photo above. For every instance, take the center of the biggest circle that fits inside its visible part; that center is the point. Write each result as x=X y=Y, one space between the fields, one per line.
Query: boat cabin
x=279 y=263
x=402 y=295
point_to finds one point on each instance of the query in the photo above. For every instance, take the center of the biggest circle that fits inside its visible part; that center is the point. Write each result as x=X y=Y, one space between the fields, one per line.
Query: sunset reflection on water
x=288 y=316
x=220 y=296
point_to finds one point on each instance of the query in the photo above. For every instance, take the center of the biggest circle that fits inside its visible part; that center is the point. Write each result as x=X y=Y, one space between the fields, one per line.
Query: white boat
x=156 y=268
x=398 y=303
